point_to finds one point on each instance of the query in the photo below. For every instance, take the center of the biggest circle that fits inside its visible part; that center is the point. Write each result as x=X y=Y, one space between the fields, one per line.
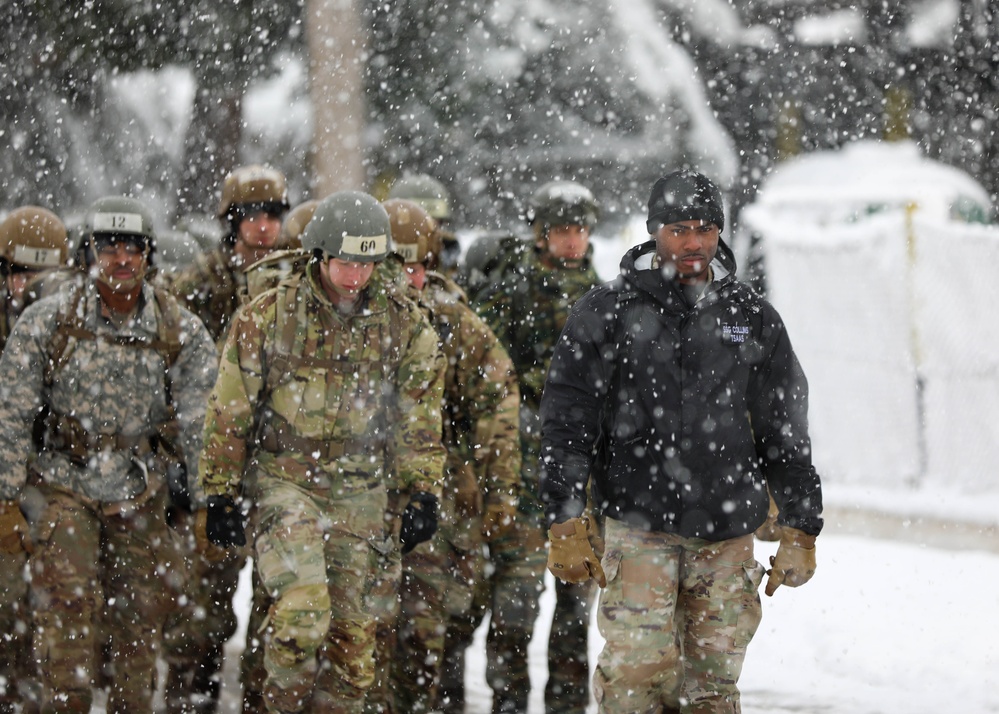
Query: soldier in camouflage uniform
x=32 y=241
x=430 y=194
x=482 y=474
x=117 y=375
x=526 y=306
x=675 y=388
x=329 y=391
x=254 y=200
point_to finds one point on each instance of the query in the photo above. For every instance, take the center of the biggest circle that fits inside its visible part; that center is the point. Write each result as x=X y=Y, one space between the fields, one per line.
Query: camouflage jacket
x=114 y=384
x=312 y=396
x=526 y=307
x=211 y=287
x=480 y=396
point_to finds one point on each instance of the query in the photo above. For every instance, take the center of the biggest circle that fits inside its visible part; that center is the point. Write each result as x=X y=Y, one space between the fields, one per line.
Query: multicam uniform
x=526 y=309
x=482 y=474
x=95 y=496
x=211 y=288
x=311 y=413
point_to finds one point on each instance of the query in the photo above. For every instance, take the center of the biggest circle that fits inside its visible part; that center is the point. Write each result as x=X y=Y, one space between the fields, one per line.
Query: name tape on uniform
x=117 y=223
x=365 y=245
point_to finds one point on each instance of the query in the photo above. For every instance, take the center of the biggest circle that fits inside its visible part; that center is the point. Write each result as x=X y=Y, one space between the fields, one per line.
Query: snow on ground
x=884 y=627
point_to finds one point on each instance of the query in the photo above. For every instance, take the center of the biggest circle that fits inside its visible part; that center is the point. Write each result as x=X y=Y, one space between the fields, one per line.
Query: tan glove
x=208 y=550
x=498 y=521
x=770 y=531
x=794 y=563
x=571 y=557
x=13 y=529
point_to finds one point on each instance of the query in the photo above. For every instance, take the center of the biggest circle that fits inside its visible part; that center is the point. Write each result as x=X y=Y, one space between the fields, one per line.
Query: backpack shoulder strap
x=68 y=323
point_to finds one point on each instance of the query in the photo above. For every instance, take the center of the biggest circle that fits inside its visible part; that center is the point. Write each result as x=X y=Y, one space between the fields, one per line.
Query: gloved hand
x=419 y=520
x=208 y=550
x=13 y=529
x=498 y=521
x=770 y=531
x=571 y=557
x=794 y=563
x=224 y=522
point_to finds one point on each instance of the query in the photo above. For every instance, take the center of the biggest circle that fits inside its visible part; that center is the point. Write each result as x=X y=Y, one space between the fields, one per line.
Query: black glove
x=419 y=520
x=224 y=522
x=180 y=497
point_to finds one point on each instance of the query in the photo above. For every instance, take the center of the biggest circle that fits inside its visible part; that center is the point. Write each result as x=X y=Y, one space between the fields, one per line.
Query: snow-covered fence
x=895 y=321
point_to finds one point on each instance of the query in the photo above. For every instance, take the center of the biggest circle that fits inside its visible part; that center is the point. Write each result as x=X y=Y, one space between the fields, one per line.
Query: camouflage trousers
x=195 y=634
x=514 y=579
x=568 y=687
x=18 y=680
x=677 y=616
x=313 y=555
x=98 y=585
x=383 y=602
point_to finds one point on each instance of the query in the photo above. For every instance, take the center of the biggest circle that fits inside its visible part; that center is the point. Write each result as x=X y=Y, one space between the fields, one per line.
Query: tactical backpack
x=273 y=432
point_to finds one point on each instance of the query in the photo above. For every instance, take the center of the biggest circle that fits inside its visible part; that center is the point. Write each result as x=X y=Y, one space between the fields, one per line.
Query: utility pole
x=337 y=42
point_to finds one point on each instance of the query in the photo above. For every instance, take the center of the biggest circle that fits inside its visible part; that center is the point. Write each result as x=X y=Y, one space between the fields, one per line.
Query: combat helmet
x=252 y=188
x=33 y=238
x=121 y=216
x=425 y=190
x=562 y=203
x=415 y=235
x=295 y=222
x=351 y=226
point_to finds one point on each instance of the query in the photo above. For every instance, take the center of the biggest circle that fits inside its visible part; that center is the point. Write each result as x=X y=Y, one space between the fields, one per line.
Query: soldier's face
x=260 y=230
x=346 y=279
x=417 y=274
x=568 y=242
x=687 y=248
x=121 y=264
x=17 y=283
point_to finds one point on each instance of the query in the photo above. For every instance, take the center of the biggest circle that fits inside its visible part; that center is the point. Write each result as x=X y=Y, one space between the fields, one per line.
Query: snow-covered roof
x=862 y=179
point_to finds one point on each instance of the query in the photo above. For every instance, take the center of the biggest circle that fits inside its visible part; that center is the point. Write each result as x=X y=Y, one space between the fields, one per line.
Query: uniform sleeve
x=572 y=408
x=779 y=413
x=229 y=418
x=416 y=433
x=21 y=390
x=490 y=396
x=193 y=376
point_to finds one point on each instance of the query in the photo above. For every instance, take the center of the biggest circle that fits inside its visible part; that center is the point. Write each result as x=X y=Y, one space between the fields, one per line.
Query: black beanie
x=685 y=196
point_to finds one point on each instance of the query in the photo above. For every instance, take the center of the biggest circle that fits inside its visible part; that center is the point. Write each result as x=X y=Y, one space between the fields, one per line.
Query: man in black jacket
x=676 y=387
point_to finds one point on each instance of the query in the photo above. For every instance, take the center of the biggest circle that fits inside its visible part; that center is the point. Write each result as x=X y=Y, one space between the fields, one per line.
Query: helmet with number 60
x=349 y=225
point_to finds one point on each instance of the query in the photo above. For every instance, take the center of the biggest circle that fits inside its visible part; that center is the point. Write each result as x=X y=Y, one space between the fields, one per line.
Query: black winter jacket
x=684 y=413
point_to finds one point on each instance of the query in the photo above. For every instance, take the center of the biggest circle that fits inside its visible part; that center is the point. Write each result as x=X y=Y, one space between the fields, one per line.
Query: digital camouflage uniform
x=482 y=473
x=312 y=413
x=15 y=619
x=526 y=308
x=99 y=563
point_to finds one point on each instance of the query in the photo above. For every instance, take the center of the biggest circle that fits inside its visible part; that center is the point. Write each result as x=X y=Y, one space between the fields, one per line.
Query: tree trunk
x=337 y=41
x=211 y=148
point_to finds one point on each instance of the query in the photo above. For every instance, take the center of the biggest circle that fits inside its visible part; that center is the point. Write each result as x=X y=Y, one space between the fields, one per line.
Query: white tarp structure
x=887 y=292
